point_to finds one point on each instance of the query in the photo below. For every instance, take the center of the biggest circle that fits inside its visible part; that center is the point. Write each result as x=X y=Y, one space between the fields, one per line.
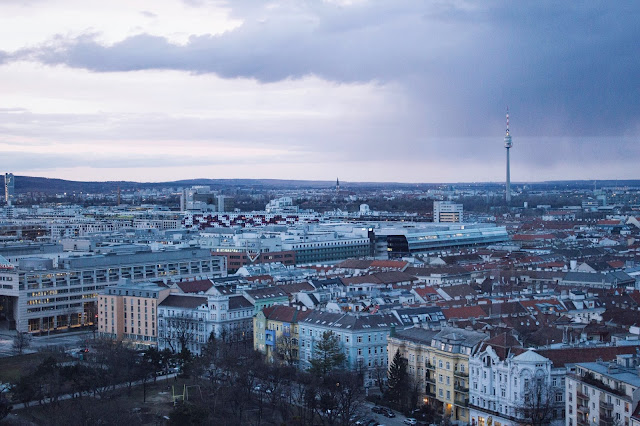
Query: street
x=382 y=419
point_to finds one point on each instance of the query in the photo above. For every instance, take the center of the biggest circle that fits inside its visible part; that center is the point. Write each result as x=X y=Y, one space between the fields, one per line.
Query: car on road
x=410 y=421
x=388 y=413
x=377 y=409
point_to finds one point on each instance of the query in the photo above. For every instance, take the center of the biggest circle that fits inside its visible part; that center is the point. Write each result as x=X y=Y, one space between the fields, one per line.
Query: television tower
x=508 y=145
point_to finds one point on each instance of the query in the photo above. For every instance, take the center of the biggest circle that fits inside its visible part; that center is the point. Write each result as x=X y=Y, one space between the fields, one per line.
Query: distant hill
x=57 y=186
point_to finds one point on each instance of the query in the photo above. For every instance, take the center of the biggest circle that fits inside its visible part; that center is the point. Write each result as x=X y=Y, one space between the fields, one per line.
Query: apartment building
x=276 y=333
x=440 y=360
x=504 y=377
x=43 y=297
x=604 y=393
x=186 y=321
x=127 y=312
x=363 y=339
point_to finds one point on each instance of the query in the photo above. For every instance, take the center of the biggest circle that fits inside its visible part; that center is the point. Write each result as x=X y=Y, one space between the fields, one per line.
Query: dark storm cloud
x=564 y=68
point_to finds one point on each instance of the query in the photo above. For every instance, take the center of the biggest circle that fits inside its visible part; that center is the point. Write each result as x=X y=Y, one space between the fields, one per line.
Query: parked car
x=387 y=412
x=377 y=409
x=410 y=421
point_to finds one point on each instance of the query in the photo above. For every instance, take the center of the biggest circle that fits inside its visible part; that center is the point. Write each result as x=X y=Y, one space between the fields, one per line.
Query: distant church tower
x=337 y=185
x=508 y=145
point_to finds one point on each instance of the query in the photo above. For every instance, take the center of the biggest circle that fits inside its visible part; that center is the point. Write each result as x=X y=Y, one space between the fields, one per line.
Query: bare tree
x=286 y=349
x=538 y=403
x=178 y=332
x=21 y=342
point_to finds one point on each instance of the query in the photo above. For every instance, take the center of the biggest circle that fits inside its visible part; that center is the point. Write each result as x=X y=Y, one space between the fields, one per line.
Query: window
x=448 y=365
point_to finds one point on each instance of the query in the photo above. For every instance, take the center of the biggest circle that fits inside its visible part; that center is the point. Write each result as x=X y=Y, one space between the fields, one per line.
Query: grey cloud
x=564 y=68
x=568 y=71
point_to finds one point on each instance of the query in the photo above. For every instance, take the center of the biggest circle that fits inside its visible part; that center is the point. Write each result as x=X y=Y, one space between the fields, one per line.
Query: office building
x=447 y=212
x=47 y=298
x=9 y=188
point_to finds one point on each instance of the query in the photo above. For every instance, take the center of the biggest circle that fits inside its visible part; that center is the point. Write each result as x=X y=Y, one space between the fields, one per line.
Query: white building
x=187 y=321
x=503 y=377
x=603 y=393
x=447 y=212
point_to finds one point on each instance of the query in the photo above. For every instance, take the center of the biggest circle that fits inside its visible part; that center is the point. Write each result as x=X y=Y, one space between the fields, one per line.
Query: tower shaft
x=508 y=144
x=508 y=186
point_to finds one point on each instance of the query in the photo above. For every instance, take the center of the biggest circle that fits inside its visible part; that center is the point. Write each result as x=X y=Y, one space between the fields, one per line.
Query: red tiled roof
x=561 y=357
x=389 y=264
x=608 y=222
x=424 y=291
x=195 y=286
x=282 y=313
x=464 y=312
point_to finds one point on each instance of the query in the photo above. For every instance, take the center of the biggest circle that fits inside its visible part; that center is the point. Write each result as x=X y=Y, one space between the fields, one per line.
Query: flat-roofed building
x=447 y=212
x=422 y=238
x=128 y=312
x=42 y=297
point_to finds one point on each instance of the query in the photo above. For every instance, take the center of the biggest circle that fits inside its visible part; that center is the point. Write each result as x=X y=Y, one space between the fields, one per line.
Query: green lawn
x=11 y=368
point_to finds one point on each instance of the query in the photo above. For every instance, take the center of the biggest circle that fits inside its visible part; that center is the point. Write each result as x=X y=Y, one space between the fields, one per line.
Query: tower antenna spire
x=507 y=120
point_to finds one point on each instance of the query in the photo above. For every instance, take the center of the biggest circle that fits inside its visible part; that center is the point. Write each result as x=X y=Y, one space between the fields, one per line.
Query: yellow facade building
x=439 y=362
x=276 y=324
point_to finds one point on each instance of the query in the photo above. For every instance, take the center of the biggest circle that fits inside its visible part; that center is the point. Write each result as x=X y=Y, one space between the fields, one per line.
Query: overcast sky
x=404 y=91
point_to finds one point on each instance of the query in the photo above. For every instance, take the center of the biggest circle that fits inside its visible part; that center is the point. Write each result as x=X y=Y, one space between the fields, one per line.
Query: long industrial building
x=407 y=241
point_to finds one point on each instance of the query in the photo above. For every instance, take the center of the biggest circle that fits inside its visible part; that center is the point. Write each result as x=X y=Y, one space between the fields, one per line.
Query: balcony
x=430 y=366
x=430 y=380
x=607 y=421
x=462 y=402
x=459 y=373
x=582 y=408
x=606 y=405
x=583 y=422
x=461 y=389
x=581 y=395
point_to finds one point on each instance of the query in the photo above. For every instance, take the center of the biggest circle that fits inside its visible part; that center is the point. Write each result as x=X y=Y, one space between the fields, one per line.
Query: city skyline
x=396 y=91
